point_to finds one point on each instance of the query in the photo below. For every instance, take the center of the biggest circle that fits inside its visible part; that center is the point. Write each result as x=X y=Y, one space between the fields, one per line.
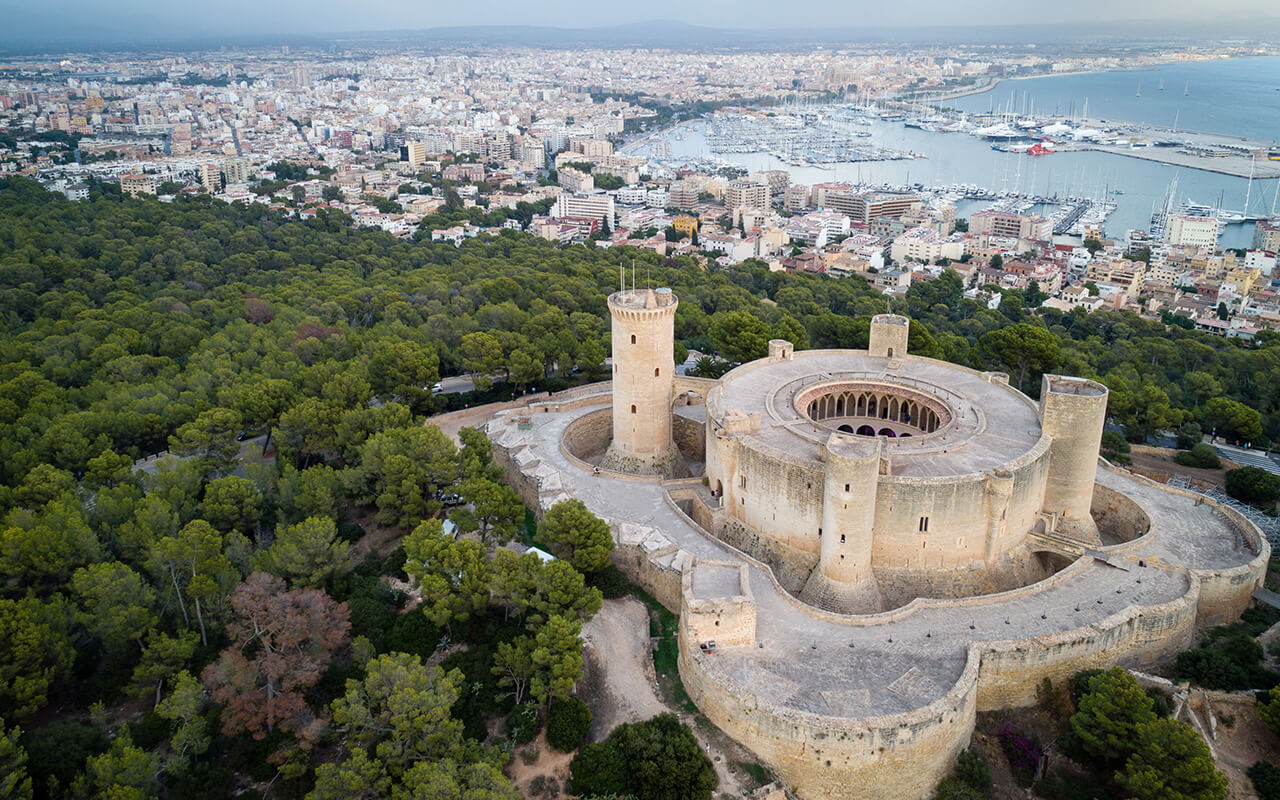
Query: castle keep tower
x=888 y=336
x=1072 y=411
x=643 y=374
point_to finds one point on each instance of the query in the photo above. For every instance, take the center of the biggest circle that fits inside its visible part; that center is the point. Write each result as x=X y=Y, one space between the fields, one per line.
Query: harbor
x=951 y=160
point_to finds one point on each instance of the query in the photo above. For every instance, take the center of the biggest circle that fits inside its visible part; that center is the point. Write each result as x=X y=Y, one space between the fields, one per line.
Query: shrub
x=1229 y=659
x=1200 y=455
x=652 y=760
x=1269 y=709
x=1189 y=435
x=1253 y=485
x=1113 y=441
x=611 y=581
x=523 y=724
x=955 y=789
x=58 y=752
x=1266 y=780
x=1023 y=752
x=568 y=721
x=972 y=768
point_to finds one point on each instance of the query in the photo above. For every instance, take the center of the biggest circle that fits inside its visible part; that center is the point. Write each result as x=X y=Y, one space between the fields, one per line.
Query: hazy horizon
x=31 y=25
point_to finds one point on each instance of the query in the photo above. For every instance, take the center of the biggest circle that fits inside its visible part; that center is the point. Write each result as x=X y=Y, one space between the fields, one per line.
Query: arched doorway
x=866 y=430
x=887 y=432
x=845 y=429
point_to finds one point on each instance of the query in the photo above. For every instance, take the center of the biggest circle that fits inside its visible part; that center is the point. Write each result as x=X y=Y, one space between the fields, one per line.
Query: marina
x=972 y=161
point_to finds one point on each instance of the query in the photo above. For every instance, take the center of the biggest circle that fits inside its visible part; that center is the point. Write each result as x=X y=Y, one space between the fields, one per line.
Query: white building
x=1192 y=231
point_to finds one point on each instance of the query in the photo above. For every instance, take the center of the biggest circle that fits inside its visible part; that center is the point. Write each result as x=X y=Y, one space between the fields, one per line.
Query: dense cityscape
x=326 y=470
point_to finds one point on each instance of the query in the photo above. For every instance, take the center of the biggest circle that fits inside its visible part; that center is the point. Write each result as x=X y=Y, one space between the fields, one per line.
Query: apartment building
x=1184 y=229
x=746 y=194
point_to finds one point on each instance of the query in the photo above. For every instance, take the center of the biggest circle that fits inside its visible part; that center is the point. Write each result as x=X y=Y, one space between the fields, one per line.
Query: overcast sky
x=161 y=19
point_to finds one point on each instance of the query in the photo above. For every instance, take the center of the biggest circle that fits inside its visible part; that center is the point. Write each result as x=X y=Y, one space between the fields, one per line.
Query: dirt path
x=1157 y=463
x=618 y=681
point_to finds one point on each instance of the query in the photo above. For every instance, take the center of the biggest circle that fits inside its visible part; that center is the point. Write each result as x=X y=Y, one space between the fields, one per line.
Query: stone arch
x=887 y=432
x=845 y=429
x=866 y=430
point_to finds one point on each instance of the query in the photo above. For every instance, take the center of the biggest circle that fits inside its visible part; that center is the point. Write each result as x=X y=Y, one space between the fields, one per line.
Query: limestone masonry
x=875 y=546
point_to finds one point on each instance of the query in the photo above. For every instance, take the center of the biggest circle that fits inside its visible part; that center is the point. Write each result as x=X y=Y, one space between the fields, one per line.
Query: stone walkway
x=855 y=667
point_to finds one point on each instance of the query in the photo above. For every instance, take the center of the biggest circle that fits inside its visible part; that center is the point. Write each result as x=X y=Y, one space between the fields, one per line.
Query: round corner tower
x=1072 y=411
x=643 y=376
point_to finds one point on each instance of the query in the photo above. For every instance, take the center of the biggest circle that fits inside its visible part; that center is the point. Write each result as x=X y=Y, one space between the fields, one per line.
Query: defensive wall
x=729 y=592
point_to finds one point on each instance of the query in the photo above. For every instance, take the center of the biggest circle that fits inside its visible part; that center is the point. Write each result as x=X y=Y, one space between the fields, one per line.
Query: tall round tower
x=1072 y=411
x=643 y=374
x=843 y=580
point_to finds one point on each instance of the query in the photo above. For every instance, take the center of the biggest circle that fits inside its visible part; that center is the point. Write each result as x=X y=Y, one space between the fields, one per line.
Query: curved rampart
x=897 y=756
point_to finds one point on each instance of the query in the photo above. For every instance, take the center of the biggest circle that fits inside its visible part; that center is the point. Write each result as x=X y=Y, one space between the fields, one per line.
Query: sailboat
x=1186 y=90
x=1161 y=88
x=1139 y=92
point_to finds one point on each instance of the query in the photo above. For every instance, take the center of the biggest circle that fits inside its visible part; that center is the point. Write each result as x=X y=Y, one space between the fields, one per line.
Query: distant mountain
x=682 y=35
x=41 y=30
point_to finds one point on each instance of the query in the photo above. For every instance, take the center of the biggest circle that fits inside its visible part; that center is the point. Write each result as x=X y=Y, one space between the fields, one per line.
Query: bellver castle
x=866 y=547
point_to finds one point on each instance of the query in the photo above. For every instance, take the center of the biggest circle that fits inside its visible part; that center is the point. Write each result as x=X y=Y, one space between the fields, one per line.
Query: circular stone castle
x=866 y=547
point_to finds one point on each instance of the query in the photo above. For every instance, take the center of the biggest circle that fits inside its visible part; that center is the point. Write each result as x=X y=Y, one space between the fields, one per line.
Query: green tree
x=33 y=655
x=210 y=439
x=124 y=772
x=306 y=554
x=568 y=722
x=232 y=503
x=1109 y=715
x=739 y=336
x=1020 y=348
x=400 y=471
x=403 y=370
x=15 y=783
x=1269 y=709
x=452 y=575
x=194 y=564
x=591 y=356
x=1233 y=420
x=573 y=533
x=46 y=546
x=557 y=660
x=523 y=368
x=162 y=656
x=1253 y=485
x=116 y=604
x=1170 y=762
x=184 y=707
x=658 y=759
x=312 y=492
x=482 y=357
x=513 y=664
x=498 y=509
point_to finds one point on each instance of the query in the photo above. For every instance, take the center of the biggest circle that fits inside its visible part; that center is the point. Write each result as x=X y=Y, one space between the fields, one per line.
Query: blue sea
x=1240 y=97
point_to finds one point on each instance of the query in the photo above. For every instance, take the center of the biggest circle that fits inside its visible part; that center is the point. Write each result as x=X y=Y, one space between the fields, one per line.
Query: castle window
x=633 y=338
x=819 y=533
x=924 y=524
x=633 y=409
x=655 y=372
x=846 y=487
x=842 y=538
x=742 y=481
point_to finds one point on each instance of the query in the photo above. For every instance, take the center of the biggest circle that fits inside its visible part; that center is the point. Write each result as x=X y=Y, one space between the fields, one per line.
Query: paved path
x=854 y=667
